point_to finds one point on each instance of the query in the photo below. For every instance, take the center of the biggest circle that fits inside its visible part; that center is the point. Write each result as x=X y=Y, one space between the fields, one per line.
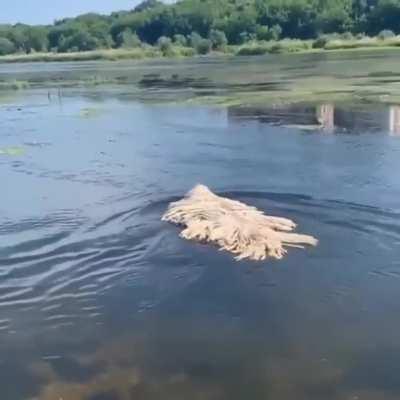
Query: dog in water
x=234 y=226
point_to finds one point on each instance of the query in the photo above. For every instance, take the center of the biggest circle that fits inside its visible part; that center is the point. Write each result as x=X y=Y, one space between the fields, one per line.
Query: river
x=100 y=300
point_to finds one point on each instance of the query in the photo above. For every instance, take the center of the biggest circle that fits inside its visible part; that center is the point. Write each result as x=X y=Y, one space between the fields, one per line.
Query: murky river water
x=100 y=300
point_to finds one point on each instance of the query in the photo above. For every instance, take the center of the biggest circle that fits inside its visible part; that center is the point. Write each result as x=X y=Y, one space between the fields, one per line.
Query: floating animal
x=233 y=226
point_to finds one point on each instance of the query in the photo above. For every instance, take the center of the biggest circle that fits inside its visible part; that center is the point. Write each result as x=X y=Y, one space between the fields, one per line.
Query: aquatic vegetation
x=253 y=50
x=12 y=151
x=14 y=85
x=291 y=46
x=233 y=226
x=90 y=112
x=116 y=381
x=108 y=54
x=204 y=46
x=364 y=42
x=281 y=46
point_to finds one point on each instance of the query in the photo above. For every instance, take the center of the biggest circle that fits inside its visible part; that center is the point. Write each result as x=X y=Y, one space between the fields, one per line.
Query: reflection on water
x=325 y=117
x=100 y=300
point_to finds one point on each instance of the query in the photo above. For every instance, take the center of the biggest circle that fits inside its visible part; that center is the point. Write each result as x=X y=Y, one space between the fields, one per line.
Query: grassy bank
x=322 y=44
x=252 y=48
x=107 y=55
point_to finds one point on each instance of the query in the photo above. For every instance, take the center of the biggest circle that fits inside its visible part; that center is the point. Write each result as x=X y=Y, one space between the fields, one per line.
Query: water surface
x=100 y=300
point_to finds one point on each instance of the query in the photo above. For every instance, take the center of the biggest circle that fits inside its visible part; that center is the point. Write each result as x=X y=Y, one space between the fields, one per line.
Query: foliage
x=275 y=32
x=263 y=32
x=165 y=45
x=218 y=39
x=253 y=50
x=80 y=41
x=385 y=15
x=203 y=46
x=180 y=40
x=147 y=4
x=223 y=22
x=127 y=39
x=6 y=46
x=320 y=42
x=386 y=34
x=347 y=36
x=194 y=39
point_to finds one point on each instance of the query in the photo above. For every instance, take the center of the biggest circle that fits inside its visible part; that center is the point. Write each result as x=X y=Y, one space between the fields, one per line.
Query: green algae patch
x=90 y=112
x=12 y=151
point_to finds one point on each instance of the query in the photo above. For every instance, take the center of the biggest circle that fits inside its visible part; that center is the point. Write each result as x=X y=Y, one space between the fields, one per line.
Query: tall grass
x=329 y=42
x=108 y=55
x=366 y=42
x=282 y=46
x=14 y=85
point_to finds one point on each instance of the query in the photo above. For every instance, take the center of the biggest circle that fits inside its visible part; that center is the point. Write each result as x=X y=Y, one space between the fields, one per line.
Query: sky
x=46 y=11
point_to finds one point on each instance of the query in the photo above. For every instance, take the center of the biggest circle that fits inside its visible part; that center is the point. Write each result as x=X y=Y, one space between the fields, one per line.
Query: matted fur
x=234 y=226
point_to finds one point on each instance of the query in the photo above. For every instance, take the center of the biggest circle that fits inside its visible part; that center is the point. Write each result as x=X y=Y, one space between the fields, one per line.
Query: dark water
x=100 y=300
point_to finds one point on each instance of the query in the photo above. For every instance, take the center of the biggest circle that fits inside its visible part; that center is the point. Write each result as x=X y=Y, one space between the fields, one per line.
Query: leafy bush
x=6 y=47
x=347 y=36
x=275 y=32
x=180 y=40
x=203 y=46
x=194 y=39
x=80 y=41
x=186 y=51
x=165 y=46
x=252 y=51
x=263 y=32
x=320 y=43
x=290 y=46
x=244 y=37
x=218 y=39
x=386 y=34
x=127 y=39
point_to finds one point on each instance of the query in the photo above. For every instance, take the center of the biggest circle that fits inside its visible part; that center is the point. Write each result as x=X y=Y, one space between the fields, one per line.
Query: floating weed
x=90 y=112
x=12 y=151
x=14 y=85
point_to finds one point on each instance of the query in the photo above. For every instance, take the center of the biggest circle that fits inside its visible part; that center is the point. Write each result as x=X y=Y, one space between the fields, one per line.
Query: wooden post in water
x=325 y=115
x=394 y=120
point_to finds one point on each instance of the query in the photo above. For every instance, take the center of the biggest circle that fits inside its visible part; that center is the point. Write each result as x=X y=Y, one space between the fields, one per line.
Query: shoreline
x=288 y=46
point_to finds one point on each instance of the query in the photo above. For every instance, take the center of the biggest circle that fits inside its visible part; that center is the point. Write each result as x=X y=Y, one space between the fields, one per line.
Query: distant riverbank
x=247 y=49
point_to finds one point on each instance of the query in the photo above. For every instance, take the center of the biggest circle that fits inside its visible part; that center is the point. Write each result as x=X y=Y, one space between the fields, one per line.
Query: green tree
x=80 y=41
x=263 y=32
x=180 y=40
x=218 y=39
x=275 y=32
x=194 y=39
x=36 y=39
x=334 y=20
x=18 y=35
x=222 y=21
x=203 y=46
x=6 y=46
x=128 y=39
x=165 y=46
x=147 y=4
x=386 y=15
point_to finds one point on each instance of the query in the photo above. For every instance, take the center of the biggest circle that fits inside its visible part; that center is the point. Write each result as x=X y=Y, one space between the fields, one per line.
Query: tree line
x=204 y=24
